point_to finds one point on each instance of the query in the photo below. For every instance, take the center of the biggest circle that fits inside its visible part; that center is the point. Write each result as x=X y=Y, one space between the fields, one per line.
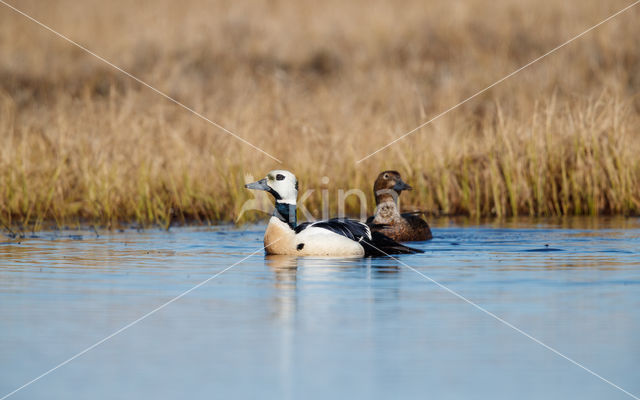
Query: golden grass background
x=319 y=85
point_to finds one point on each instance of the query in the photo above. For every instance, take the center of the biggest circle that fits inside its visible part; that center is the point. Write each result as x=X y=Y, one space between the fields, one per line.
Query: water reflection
x=285 y=268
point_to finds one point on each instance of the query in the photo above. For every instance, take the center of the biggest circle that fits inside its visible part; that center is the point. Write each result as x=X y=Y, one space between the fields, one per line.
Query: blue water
x=279 y=327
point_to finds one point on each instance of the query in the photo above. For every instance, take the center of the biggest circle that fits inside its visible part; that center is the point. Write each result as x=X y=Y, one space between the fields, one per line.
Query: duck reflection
x=285 y=268
x=289 y=271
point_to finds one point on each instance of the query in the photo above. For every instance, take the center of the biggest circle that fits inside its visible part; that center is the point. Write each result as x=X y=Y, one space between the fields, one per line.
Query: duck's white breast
x=322 y=242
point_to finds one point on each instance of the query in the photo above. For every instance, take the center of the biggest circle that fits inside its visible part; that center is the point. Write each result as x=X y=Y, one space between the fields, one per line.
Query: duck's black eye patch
x=300 y=246
x=296 y=185
x=280 y=177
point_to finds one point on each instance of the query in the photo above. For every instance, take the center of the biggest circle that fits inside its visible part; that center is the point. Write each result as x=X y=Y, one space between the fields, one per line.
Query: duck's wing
x=350 y=228
x=418 y=225
x=302 y=226
x=382 y=245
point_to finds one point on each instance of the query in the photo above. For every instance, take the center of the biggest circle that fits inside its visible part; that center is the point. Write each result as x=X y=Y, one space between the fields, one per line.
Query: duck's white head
x=282 y=185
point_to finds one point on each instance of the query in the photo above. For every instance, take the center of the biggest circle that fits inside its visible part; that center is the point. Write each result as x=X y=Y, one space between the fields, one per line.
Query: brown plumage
x=405 y=227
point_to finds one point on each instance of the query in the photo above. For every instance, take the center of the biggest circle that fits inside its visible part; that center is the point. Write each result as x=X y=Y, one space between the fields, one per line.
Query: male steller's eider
x=405 y=227
x=335 y=237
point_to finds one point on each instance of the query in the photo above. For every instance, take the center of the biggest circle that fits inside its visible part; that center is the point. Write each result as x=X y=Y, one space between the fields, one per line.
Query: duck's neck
x=386 y=196
x=286 y=213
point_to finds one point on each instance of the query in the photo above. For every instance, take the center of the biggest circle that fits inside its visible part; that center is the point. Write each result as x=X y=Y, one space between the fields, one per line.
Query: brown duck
x=388 y=220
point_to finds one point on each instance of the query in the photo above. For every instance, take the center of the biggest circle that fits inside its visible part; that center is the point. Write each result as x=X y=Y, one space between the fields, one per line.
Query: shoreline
x=551 y=222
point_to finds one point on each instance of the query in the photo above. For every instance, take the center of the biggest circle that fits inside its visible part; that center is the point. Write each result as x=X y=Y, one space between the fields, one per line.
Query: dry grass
x=319 y=85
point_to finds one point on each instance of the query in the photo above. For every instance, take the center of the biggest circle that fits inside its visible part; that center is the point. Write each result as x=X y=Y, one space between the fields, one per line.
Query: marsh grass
x=318 y=86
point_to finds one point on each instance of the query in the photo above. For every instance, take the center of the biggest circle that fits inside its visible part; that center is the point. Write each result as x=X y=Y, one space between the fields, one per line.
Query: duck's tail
x=381 y=245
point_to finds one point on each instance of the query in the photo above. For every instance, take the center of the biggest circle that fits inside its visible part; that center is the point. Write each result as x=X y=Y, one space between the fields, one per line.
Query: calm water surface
x=324 y=328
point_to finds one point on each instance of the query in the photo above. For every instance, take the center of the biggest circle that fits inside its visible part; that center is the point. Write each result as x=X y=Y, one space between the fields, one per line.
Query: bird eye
x=386 y=176
x=280 y=177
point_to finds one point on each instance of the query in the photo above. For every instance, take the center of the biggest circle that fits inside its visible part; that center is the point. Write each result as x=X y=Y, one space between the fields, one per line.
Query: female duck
x=335 y=237
x=388 y=220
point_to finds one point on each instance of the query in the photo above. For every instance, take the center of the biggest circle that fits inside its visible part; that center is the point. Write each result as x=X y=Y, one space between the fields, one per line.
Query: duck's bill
x=260 y=185
x=400 y=185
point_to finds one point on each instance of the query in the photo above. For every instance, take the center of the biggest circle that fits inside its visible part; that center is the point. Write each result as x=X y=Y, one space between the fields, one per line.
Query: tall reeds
x=319 y=85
